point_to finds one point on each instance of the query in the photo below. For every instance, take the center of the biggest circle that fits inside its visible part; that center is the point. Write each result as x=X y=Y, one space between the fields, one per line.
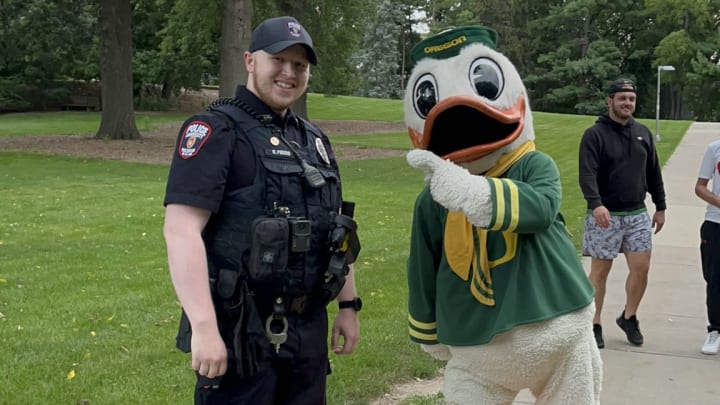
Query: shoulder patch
x=193 y=138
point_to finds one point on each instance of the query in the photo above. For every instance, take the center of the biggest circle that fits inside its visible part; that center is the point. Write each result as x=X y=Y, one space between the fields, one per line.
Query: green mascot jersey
x=522 y=268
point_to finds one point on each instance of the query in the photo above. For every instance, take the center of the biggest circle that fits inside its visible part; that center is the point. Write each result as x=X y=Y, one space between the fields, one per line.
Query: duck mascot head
x=495 y=285
x=465 y=101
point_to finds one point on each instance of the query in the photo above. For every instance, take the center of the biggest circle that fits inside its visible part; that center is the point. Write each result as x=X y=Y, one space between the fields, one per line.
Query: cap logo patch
x=322 y=151
x=195 y=135
x=294 y=29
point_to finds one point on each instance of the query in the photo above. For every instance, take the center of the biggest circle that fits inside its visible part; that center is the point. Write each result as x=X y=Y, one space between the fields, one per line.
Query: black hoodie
x=619 y=165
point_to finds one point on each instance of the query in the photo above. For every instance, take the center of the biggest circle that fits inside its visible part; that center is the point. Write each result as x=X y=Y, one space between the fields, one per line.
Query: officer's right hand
x=602 y=216
x=209 y=355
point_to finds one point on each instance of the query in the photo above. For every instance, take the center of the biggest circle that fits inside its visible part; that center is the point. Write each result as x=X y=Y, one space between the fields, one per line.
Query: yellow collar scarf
x=459 y=241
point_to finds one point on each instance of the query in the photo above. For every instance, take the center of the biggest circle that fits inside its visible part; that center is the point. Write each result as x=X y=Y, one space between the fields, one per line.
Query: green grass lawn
x=321 y=107
x=73 y=122
x=84 y=287
x=87 y=310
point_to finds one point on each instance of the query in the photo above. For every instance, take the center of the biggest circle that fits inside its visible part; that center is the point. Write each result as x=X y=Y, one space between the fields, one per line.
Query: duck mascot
x=496 y=287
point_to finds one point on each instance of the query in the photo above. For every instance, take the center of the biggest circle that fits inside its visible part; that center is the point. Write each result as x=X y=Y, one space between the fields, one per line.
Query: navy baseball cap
x=621 y=85
x=277 y=34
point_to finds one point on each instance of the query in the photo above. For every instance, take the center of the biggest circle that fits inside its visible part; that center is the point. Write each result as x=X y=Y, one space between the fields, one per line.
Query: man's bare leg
x=599 y=271
x=637 y=280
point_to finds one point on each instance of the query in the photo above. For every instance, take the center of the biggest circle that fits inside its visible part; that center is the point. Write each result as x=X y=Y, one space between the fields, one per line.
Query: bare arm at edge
x=189 y=272
x=705 y=194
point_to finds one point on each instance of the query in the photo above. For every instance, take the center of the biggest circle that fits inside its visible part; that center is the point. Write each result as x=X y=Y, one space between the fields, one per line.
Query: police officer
x=257 y=235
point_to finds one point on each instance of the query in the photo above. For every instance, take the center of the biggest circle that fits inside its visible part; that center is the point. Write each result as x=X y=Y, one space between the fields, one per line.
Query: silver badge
x=321 y=150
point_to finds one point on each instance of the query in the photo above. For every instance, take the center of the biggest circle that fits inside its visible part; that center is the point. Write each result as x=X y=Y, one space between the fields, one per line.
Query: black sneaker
x=597 y=330
x=631 y=327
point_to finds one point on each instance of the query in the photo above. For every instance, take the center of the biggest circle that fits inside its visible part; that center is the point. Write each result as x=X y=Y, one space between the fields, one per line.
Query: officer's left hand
x=346 y=325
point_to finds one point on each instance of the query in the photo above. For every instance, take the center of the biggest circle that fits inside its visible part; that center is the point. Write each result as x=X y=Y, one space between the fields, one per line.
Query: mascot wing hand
x=454 y=187
x=438 y=351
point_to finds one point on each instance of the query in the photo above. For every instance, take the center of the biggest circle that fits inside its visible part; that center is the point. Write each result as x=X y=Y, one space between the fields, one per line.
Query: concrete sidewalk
x=669 y=368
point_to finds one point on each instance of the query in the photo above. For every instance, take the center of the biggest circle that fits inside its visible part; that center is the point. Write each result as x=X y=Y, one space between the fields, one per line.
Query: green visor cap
x=447 y=44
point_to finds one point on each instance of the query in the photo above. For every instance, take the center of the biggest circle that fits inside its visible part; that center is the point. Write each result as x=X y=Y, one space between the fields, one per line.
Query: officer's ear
x=249 y=60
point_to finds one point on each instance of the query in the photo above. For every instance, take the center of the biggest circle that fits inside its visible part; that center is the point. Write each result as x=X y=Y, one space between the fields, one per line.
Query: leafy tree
x=598 y=41
x=47 y=38
x=694 y=16
x=676 y=49
x=703 y=85
x=117 y=120
x=566 y=50
x=691 y=29
x=447 y=13
x=511 y=19
x=154 y=72
x=208 y=39
x=191 y=40
x=576 y=85
x=41 y=45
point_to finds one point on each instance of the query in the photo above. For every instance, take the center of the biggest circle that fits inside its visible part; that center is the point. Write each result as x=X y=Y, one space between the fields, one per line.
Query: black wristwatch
x=355 y=304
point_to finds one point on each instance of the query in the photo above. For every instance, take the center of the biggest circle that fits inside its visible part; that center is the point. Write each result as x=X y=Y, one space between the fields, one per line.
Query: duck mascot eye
x=495 y=284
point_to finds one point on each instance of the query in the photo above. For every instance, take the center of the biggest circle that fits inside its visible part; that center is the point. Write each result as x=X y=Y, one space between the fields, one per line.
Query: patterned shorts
x=628 y=233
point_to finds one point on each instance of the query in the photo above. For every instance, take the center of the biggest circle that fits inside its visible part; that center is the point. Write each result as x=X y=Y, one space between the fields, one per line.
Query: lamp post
x=657 y=104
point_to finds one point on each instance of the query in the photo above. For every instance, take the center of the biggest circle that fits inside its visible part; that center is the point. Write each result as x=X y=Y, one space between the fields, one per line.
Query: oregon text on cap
x=447 y=44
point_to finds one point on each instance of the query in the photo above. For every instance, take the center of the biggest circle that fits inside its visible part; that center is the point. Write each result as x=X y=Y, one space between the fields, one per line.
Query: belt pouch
x=269 y=251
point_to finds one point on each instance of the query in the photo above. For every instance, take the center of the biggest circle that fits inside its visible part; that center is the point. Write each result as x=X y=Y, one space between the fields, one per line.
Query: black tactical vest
x=278 y=183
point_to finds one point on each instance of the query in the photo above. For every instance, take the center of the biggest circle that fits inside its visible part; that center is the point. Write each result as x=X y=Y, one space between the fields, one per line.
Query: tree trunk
x=403 y=52
x=235 y=39
x=299 y=107
x=584 y=40
x=117 y=118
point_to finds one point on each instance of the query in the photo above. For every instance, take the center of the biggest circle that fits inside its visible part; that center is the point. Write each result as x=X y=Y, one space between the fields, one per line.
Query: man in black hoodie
x=618 y=166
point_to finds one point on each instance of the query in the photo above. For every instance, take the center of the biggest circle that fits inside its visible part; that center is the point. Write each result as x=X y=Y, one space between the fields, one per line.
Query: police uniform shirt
x=205 y=166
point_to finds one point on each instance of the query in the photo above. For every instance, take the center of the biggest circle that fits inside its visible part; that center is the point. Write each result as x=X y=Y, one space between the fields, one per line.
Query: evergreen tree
x=378 y=60
x=585 y=45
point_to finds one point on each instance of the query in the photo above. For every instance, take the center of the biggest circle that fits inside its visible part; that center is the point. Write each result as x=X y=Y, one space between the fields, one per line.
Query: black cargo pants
x=296 y=375
x=710 y=257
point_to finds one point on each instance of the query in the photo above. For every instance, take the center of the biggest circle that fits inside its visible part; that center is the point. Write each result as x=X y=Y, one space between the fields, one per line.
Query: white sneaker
x=712 y=343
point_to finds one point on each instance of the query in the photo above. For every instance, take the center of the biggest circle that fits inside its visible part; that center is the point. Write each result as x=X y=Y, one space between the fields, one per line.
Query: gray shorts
x=628 y=233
